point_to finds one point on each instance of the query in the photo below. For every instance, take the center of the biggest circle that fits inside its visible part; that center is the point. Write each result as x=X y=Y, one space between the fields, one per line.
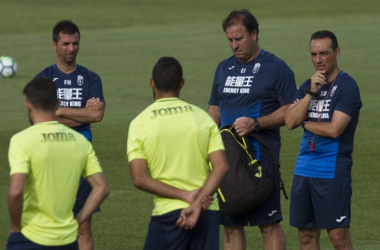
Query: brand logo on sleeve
x=256 y=68
x=80 y=80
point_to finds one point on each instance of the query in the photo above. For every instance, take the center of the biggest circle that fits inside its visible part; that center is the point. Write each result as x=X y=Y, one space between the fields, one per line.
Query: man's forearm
x=158 y=188
x=99 y=193
x=219 y=170
x=88 y=114
x=274 y=120
x=214 y=113
x=15 y=204
x=68 y=122
x=143 y=181
x=331 y=129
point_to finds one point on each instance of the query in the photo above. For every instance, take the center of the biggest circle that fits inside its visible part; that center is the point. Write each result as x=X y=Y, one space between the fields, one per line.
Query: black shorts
x=320 y=203
x=84 y=189
x=267 y=212
x=164 y=234
x=17 y=241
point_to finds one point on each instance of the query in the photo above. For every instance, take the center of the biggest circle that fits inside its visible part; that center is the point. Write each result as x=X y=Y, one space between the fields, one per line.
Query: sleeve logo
x=256 y=68
x=80 y=80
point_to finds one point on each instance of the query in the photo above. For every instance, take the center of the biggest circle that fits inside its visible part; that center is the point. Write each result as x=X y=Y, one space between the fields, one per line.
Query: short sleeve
x=92 y=163
x=134 y=143
x=19 y=159
x=285 y=84
x=96 y=88
x=349 y=101
x=215 y=142
x=214 y=99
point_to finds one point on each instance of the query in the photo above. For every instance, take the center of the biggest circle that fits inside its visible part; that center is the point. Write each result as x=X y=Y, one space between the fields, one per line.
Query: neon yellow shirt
x=54 y=157
x=175 y=138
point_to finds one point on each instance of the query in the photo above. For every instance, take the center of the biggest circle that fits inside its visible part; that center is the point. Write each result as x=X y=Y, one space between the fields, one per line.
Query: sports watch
x=311 y=93
x=256 y=125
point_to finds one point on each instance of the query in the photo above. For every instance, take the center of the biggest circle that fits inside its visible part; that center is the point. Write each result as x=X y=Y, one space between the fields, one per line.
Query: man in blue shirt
x=82 y=102
x=252 y=90
x=327 y=106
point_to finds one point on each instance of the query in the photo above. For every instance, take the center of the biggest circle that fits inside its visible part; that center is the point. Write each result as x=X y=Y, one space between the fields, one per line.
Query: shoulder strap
x=262 y=141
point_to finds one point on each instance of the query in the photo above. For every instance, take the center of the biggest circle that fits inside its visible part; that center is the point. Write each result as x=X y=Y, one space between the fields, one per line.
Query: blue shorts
x=17 y=241
x=163 y=232
x=267 y=212
x=320 y=203
x=84 y=191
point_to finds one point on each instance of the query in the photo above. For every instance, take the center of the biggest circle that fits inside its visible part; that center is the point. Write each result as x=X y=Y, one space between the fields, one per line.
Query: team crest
x=256 y=68
x=333 y=90
x=80 y=80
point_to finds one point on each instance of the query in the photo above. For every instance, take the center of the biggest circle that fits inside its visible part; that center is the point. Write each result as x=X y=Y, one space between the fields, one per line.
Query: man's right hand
x=92 y=101
x=317 y=81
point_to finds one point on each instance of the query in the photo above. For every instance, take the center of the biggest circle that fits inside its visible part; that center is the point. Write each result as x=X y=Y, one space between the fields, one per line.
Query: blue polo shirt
x=74 y=89
x=253 y=89
x=331 y=157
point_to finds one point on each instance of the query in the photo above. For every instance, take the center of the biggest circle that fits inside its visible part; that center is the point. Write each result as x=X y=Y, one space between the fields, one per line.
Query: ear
x=28 y=105
x=337 y=53
x=151 y=83
x=182 y=83
x=254 y=35
x=54 y=45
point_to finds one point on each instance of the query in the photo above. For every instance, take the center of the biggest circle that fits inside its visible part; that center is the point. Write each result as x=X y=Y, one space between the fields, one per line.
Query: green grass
x=122 y=40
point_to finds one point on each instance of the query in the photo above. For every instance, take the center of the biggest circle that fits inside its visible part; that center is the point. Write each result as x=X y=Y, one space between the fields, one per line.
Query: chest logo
x=80 y=80
x=256 y=68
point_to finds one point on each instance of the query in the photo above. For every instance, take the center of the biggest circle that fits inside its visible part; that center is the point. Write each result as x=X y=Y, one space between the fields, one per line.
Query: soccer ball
x=8 y=66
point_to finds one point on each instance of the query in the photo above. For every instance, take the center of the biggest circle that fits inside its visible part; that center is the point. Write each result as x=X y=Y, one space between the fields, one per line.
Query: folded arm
x=331 y=129
x=93 y=112
x=297 y=112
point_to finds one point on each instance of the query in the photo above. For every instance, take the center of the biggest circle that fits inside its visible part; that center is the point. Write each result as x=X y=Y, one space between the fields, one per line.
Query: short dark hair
x=244 y=17
x=66 y=27
x=167 y=74
x=41 y=92
x=326 y=34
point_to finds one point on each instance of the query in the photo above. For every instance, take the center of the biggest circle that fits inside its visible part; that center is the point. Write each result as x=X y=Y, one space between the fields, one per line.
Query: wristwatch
x=311 y=93
x=256 y=125
x=304 y=123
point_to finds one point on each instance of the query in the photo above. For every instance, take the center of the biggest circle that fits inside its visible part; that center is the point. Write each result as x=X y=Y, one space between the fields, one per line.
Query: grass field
x=122 y=40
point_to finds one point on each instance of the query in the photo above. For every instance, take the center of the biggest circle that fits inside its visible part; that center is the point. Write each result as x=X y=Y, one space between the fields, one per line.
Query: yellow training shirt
x=54 y=157
x=175 y=138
